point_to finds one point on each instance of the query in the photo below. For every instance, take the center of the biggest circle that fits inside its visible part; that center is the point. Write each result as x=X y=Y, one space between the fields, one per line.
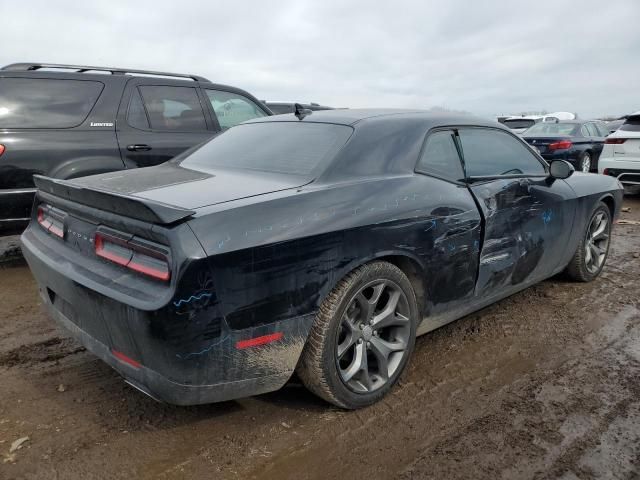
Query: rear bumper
x=180 y=359
x=160 y=387
x=15 y=209
x=626 y=171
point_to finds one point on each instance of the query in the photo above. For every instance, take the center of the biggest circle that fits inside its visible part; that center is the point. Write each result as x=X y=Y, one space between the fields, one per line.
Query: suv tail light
x=614 y=141
x=561 y=145
x=134 y=253
x=2 y=149
x=52 y=220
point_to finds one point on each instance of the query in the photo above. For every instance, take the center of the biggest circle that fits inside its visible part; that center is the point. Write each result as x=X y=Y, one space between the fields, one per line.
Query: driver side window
x=492 y=152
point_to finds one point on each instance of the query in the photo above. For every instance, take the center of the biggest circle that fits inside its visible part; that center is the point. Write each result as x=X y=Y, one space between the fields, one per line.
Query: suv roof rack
x=87 y=68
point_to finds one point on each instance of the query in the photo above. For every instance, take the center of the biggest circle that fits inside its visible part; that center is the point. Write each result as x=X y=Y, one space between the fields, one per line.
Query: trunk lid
x=188 y=189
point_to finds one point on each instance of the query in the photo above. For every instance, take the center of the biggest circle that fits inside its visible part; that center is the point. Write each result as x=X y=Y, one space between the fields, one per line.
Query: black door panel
x=156 y=122
x=526 y=230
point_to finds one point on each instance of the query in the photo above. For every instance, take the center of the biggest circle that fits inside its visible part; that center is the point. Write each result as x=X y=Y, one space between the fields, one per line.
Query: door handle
x=138 y=148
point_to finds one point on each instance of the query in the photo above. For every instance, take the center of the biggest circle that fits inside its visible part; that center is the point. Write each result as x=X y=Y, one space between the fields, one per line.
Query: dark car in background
x=280 y=108
x=321 y=244
x=579 y=142
x=67 y=121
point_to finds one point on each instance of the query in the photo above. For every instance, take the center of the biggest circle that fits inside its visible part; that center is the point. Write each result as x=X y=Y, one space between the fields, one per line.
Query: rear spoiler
x=129 y=206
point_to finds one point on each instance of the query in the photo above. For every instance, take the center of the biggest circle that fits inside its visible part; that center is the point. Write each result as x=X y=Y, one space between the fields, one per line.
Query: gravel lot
x=545 y=384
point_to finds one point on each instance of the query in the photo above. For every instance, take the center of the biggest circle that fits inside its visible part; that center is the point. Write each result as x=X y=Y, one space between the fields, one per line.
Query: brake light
x=51 y=219
x=2 y=149
x=605 y=171
x=614 y=141
x=136 y=254
x=561 y=145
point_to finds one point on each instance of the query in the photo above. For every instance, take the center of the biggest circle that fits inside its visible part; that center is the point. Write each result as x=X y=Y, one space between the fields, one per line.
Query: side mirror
x=561 y=169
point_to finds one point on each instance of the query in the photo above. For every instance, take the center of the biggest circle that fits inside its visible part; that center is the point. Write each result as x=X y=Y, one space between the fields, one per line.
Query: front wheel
x=592 y=252
x=362 y=337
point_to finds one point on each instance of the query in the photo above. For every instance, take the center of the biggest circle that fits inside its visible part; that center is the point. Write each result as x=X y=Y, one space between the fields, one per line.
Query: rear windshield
x=550 y=129
x=45 y=102
x=519 y=123
x=632 y=124
x=295 y=148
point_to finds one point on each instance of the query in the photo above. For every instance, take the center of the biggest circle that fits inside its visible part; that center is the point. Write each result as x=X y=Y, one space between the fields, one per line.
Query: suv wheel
x=362 y=337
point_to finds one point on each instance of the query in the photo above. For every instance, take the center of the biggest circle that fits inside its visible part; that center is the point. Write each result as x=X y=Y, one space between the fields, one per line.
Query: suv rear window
x=519 y=123
x=281 y=147
x=631 y=124
x=46 y=102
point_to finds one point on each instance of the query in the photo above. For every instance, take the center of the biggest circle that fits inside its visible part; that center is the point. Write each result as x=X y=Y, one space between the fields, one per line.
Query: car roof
x=352 y=117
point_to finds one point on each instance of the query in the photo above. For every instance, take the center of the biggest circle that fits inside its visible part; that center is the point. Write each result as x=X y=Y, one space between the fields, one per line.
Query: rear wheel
x=584 y=164
x=362 y=338
x=592 y=252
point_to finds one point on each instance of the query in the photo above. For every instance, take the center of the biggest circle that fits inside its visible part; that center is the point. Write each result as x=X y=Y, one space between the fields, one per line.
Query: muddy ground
x=545 y=384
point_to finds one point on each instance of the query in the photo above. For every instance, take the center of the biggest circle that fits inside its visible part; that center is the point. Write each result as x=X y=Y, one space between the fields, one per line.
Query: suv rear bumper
x=626 y=171
x=15 y=209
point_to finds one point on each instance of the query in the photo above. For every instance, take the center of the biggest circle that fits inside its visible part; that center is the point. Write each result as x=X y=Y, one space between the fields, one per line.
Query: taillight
x=51 y=219
x=561 y=145
x=136 y=254
x=614 y=141
x=1 y=149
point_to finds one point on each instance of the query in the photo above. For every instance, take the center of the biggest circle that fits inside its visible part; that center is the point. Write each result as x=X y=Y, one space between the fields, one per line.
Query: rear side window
x=283 y=147
x=489 y=152
x=440 y=157
x=632 y=124
x=603 y=131
x=169 y=108
x=46 y=102
x=591 y=129
x=232 y=109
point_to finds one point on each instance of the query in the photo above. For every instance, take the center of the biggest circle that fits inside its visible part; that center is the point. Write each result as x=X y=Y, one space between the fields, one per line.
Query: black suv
x=68 y=121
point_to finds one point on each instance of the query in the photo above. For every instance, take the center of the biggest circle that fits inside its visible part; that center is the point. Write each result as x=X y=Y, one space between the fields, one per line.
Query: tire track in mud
x=49 y=350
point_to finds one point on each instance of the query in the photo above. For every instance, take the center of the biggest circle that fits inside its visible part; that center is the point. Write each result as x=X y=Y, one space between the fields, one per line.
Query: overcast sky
x=486 y=57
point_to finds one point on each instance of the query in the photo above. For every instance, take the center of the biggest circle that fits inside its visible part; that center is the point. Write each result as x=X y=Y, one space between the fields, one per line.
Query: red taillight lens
x=51 y=219
x=143 y=257
x=561 y=145
x=605 y=171
x=614 y=141
x=2 y=149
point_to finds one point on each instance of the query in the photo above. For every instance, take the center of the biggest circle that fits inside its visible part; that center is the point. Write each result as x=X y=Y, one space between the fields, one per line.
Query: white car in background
x=521 y=124
x=620 y=156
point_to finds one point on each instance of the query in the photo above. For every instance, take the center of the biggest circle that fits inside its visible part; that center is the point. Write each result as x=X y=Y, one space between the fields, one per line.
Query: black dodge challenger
x=318 y=243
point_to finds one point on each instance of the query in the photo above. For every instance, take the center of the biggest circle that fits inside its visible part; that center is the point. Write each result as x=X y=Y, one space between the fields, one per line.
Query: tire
x=581 y=268
x=344 y=336
x=585 y=162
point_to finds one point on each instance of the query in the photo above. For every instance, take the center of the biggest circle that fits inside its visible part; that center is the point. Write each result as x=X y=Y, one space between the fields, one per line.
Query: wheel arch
x=411 y=266
x=610 y=202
